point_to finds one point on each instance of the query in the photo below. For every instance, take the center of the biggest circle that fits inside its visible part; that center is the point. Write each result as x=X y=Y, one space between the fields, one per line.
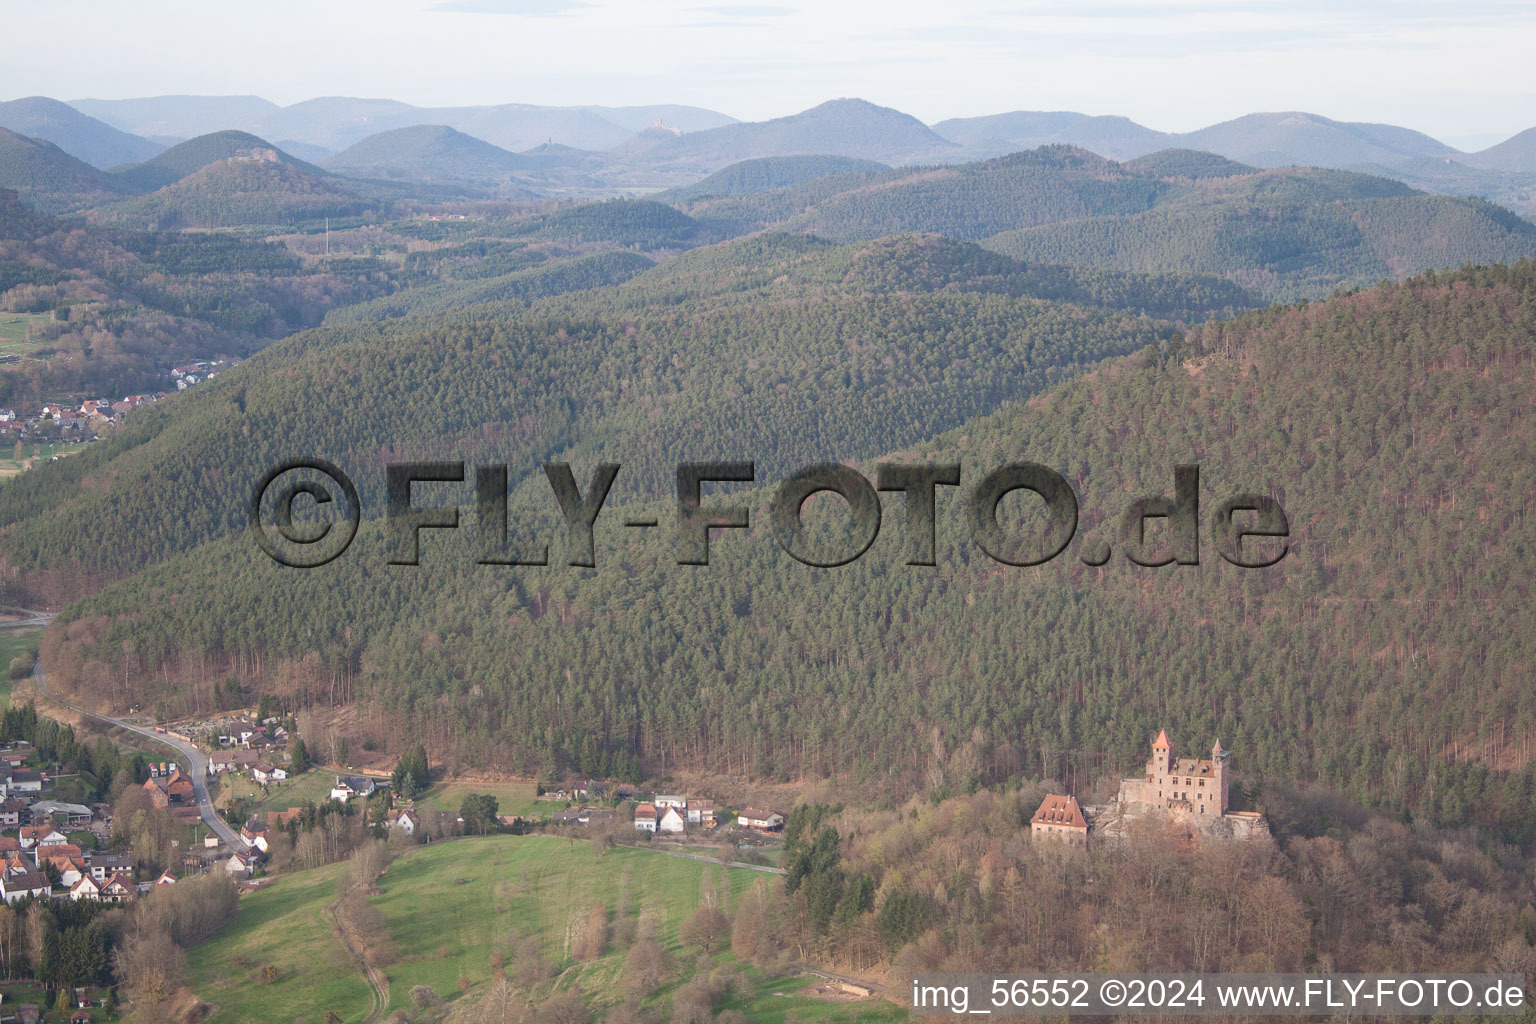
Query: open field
x=451 y=906
x=14 y=642
x=14 y=330
x=511 y=797
x=313 y=786
x=284 y=926
x=32 y=453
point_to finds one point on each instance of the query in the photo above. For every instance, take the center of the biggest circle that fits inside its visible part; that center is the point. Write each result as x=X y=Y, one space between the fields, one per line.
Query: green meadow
x=452 y=908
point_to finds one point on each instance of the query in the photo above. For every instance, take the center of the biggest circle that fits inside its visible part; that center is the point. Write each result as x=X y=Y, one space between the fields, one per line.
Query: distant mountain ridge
x=336 y=122
x=80 y=135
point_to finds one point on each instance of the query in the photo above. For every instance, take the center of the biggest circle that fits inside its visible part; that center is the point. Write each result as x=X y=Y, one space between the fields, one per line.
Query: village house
x=407 y=821
x=41 y=835
x=19 y=885
x=118 y=889
x=104 y=865
x=223 y=761
x=701 y=812
x=172 y=789
x=254 y=832
x=671 y=820
x=242 y=863
x=1059 y=818
x=266 y=774
x=760 y=820
x=86 y=888
x=14 y=812
x=21 y=780
x=70 y=868
x=645 y=817
x=349 y=786
x=663 y=802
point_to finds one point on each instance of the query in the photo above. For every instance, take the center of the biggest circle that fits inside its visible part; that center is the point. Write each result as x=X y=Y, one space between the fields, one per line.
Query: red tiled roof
x=1060 y=810
x=1161 y=743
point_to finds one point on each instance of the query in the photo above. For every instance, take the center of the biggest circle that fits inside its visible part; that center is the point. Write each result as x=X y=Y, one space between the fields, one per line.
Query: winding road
x=190 y=757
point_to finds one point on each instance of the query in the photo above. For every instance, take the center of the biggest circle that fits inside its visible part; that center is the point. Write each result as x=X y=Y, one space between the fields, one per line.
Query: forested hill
x=248 y=189
x=49 y=179
x=1287 y=233
x=193 y=155
x=770 y=172
x=1387 y=653
x=124 y=306
x=863 y=348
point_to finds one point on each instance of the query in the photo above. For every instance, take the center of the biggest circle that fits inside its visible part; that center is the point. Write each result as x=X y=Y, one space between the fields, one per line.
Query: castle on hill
x=1193 y=786
x=1189 y=793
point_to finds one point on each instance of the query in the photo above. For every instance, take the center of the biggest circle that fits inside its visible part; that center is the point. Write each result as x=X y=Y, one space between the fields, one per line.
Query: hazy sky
x=1454 y=68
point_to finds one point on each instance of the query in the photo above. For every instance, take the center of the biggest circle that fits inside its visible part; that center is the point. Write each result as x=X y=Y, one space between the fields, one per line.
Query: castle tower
x=1162 y=755
x=1219 y=761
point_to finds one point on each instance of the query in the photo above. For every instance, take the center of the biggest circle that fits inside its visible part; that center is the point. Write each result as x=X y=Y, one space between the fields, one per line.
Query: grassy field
x=31 y=454
x=283 y=925
x=312 y=787
x=450 y=906
x=14 y=328
x=511 y=797
x=14 y=642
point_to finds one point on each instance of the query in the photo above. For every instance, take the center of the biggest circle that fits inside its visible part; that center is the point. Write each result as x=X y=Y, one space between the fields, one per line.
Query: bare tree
x=593 y=941
x=149 y=966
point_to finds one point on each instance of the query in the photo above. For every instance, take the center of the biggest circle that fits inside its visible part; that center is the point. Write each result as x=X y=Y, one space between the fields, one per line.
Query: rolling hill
x=689 y=342
x=50 y=180
x=1288 y=234
x=1187 y=163
x=188 y=157
x=1278 y=140
x=433 y=153
x=771 y=172
x=451 y=909
x=1513 y=154
x=846 y=127
x=1285 y=233
x=1118 y=138
x=251 y=188
x=81 y=136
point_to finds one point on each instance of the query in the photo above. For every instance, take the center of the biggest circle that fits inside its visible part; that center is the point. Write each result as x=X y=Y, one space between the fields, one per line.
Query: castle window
x=1202 y=783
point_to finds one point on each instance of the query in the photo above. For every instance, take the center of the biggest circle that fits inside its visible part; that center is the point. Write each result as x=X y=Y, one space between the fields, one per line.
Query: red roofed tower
x=1162 y=754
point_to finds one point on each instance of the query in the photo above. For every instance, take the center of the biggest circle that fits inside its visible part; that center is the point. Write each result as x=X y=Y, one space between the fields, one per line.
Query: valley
x=467 y=787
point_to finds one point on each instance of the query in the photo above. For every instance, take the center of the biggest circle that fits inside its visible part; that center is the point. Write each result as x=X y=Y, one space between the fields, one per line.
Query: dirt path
x=376 y=979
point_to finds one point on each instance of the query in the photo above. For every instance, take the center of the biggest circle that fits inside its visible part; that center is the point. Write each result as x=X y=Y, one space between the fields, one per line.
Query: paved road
x=191 y=758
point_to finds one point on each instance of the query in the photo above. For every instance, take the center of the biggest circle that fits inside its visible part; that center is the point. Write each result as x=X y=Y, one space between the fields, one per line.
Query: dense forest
x=1407 y=553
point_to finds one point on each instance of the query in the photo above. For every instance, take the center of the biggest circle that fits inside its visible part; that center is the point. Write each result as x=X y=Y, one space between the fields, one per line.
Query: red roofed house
x=1060 y=819
x=117 y=889
x=645 y=817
